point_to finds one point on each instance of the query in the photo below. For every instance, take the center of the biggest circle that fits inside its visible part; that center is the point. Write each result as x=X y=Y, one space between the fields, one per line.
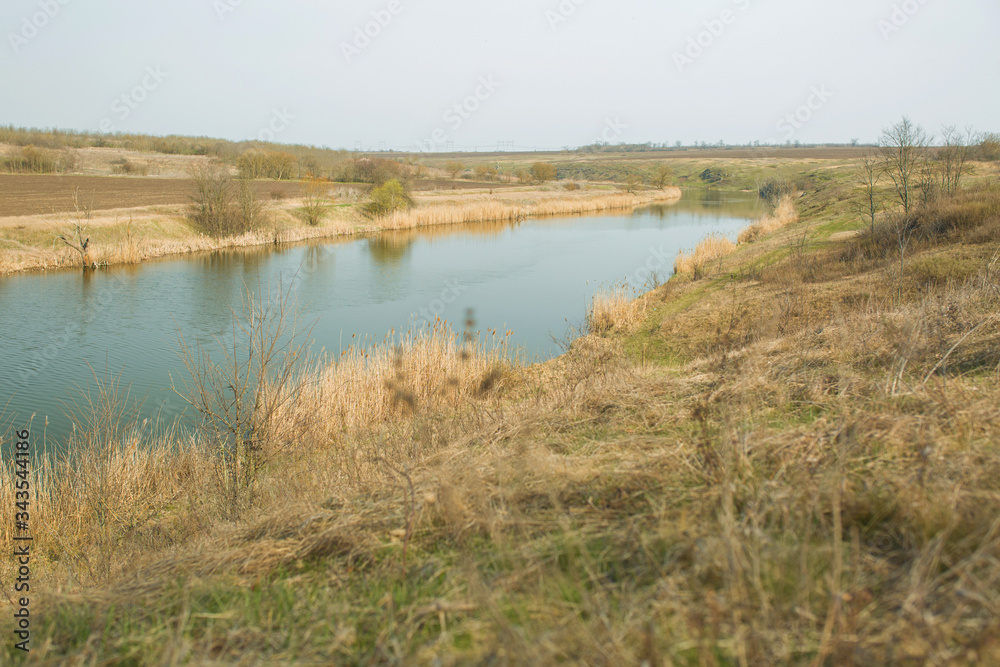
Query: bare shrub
x=125 y=167
x=223 y=206
x=315 y=203
x=239 y=399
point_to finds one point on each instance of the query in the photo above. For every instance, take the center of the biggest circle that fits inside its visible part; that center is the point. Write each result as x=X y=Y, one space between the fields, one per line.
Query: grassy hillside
x=789 y=456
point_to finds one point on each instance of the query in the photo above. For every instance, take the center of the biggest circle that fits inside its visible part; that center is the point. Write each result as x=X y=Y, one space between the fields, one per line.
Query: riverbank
x=787 y=457
x=130 y=236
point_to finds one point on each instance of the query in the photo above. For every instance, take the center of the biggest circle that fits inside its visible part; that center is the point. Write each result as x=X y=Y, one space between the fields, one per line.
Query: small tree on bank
x=388 y=198
x=662 y=176
x=543 y=171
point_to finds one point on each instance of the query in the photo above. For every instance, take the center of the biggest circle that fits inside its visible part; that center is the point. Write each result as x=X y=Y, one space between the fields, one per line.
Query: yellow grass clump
x=615 y=310
x=714 y=246
x=425 y=369
x=784 y=214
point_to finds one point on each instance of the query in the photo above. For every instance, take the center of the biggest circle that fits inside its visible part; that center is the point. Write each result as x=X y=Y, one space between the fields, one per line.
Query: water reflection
x=389 y=250
x=708 y=203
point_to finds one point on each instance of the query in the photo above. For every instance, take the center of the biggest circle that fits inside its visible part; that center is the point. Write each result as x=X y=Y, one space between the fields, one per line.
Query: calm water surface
x=535 y=278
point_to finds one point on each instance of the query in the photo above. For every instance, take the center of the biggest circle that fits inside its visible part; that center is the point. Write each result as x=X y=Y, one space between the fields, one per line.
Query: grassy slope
x=792 y=460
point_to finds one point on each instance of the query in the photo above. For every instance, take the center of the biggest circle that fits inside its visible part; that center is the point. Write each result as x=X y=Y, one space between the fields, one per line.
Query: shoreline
x=133 y=236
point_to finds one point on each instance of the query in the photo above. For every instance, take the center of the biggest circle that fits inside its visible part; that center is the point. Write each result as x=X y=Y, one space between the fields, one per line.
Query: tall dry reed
x=784 y=215
x=615 y=309
x=713 y=247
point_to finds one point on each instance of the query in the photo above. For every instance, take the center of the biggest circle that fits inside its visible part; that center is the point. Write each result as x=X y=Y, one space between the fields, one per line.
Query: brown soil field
x=29 y=194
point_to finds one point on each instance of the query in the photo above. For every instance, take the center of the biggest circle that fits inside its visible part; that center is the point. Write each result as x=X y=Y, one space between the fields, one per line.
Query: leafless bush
x=240 y=398
x=223 y=206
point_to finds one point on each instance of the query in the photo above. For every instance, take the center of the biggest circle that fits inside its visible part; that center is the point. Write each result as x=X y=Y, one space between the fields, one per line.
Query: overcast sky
x=466 y=73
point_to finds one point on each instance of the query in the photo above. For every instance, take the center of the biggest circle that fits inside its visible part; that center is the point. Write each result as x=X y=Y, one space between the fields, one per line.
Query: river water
x=534 y=278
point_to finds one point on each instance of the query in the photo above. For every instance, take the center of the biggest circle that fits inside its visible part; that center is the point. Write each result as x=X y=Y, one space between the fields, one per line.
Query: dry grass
x=615 y=310
x=425 y=370
x=130 y=487
x=509 y=209
x=713 y=247
x=784 y=215
x=791 y=473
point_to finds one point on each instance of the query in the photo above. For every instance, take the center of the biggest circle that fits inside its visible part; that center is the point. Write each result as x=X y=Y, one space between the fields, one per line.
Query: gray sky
x=539 y=73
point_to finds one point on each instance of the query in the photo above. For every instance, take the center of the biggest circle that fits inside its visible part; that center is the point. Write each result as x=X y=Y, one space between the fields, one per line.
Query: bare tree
x=633 y=181
x=903 y=150
x=954 y=157
x=78 y=239
x=662 y=176
x=870 y=174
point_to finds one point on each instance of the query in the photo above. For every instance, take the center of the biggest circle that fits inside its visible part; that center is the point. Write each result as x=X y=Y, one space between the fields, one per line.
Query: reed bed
x=784 y=215
x=419 y=370
x=497 y=209
x=615 y=310
x=713 y=247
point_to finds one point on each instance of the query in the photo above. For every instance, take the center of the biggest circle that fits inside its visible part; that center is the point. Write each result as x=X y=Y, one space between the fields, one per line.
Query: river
x=59 y=329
